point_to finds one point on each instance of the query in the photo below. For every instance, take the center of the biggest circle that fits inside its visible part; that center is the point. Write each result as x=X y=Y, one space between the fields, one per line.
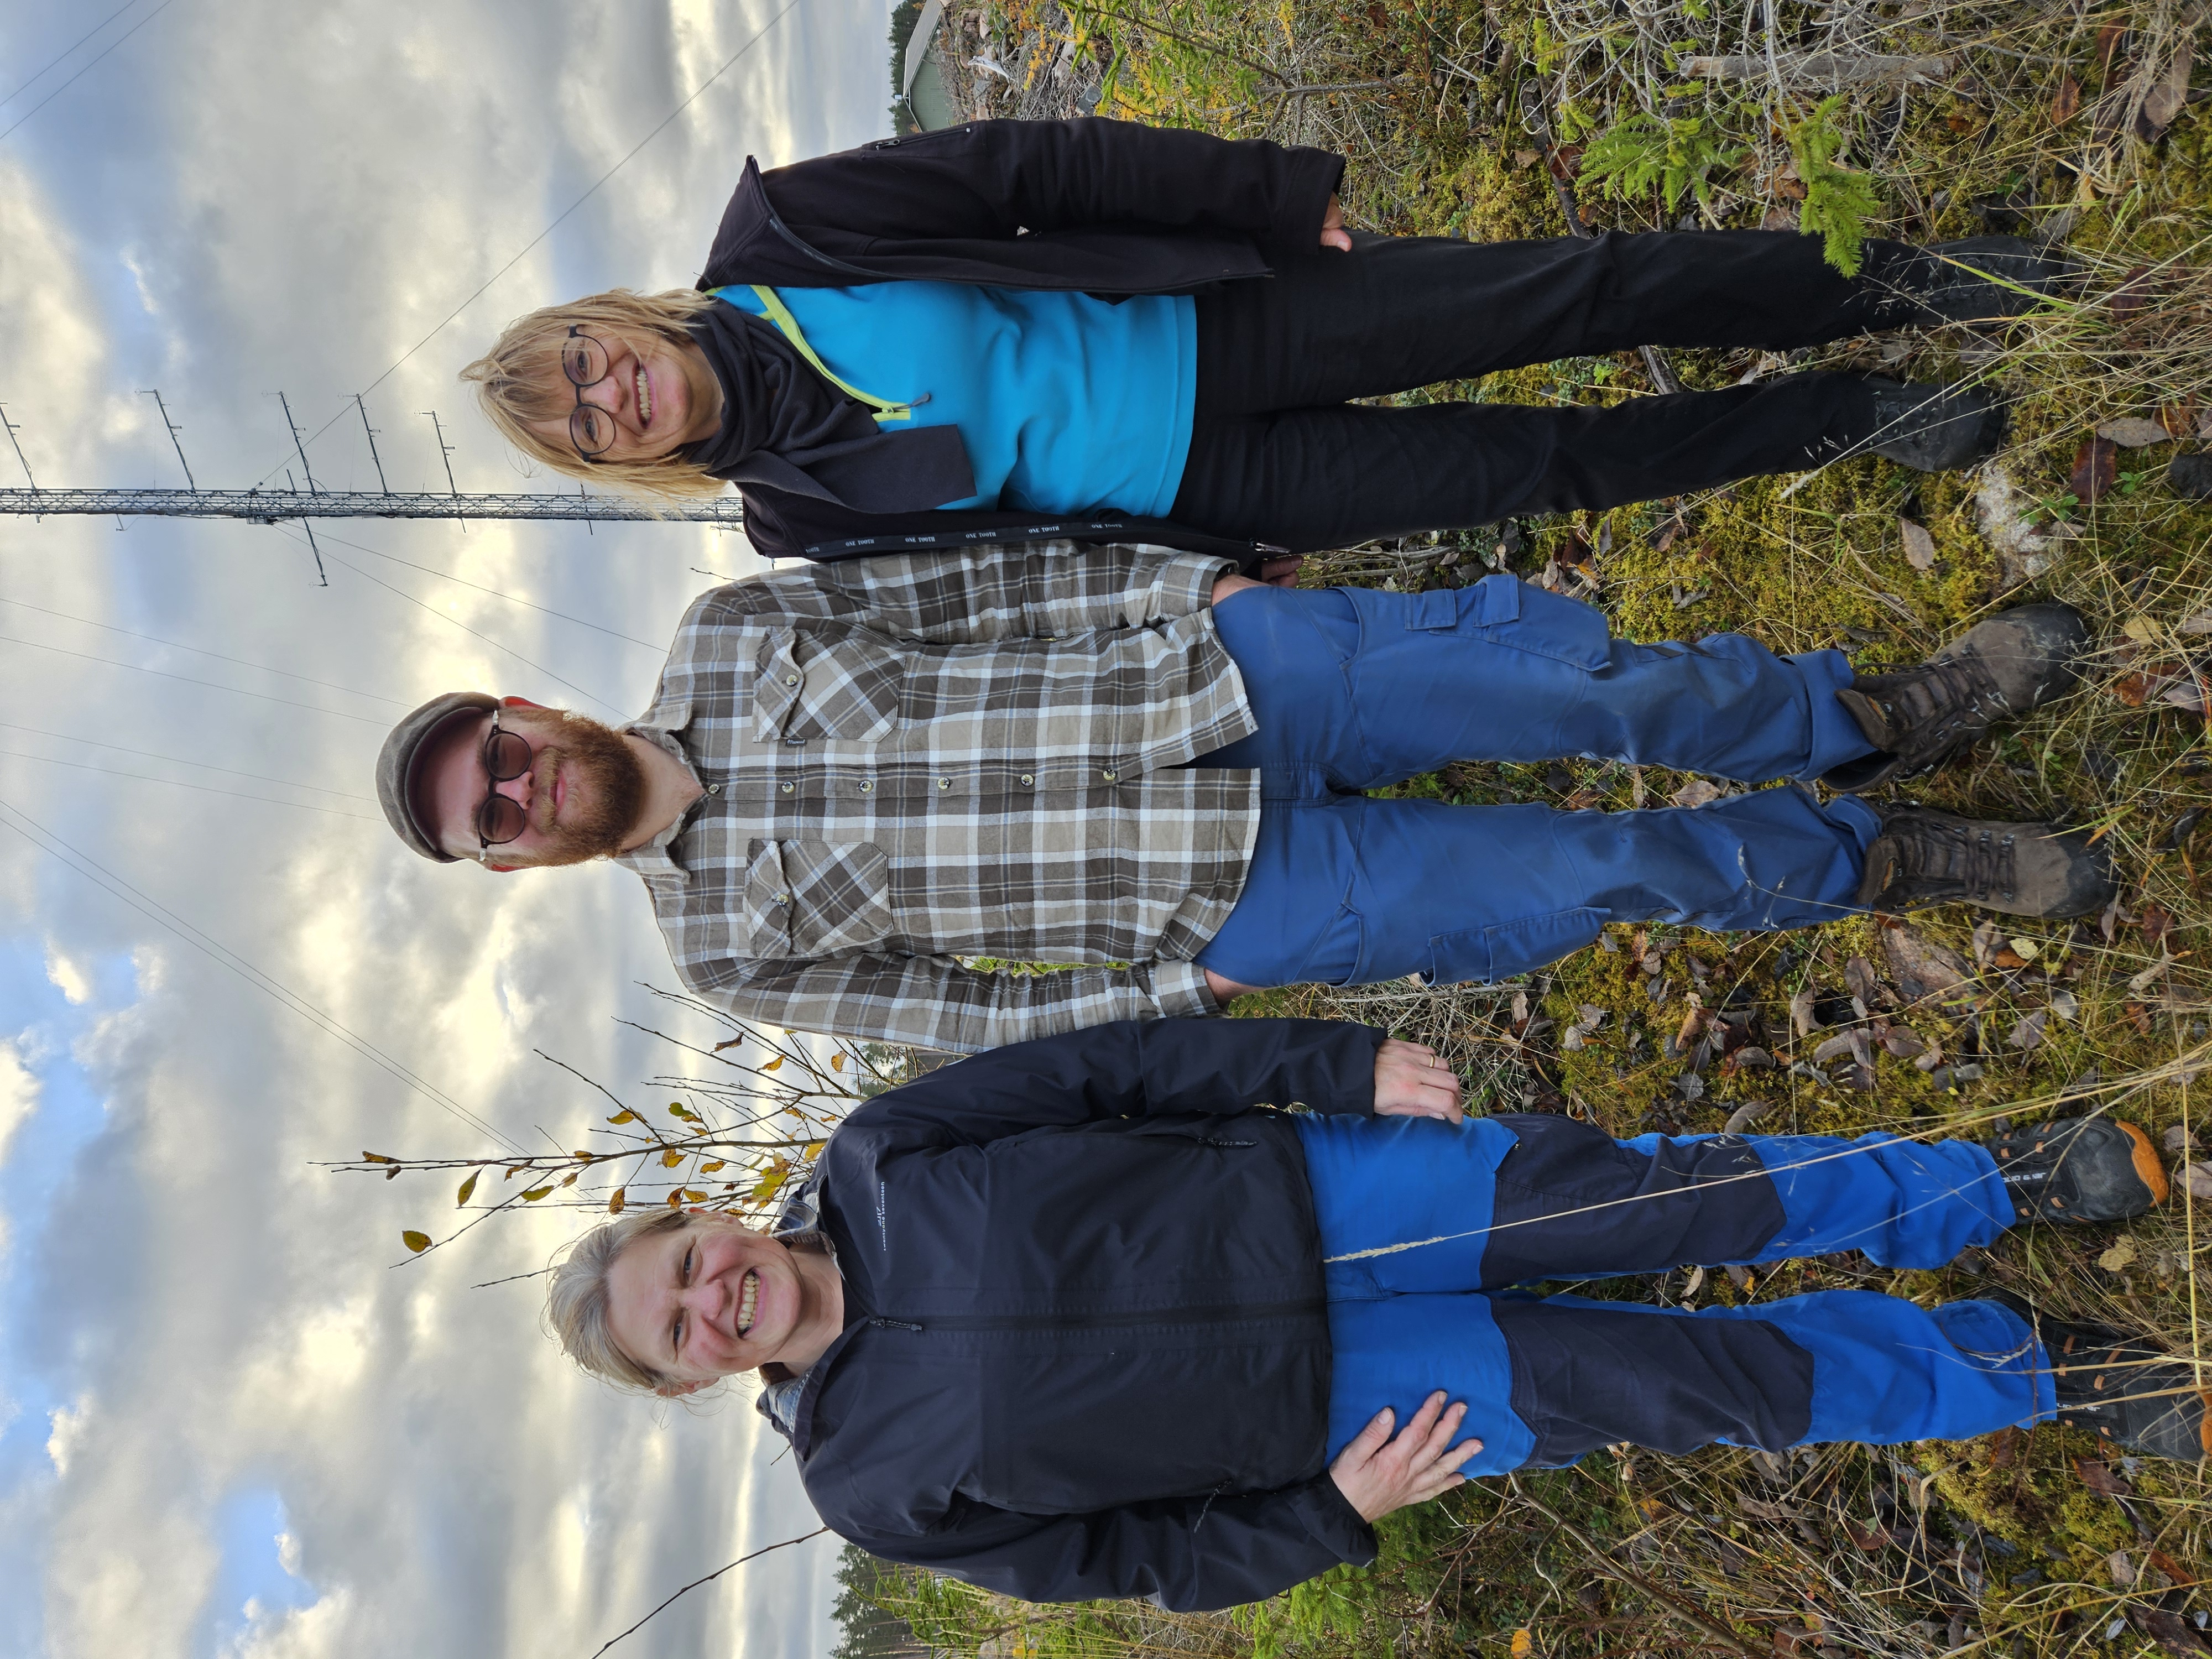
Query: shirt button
x=944 y=783
x=787 y=788
x=866 y=788
x=791 y=679
x=1109 y=777
x=1028 y=778
x=783 y=898
x=714 y=789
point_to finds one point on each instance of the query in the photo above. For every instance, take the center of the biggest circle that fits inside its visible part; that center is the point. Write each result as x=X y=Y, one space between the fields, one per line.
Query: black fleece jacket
x=1093 y=206
x=1086 y=1351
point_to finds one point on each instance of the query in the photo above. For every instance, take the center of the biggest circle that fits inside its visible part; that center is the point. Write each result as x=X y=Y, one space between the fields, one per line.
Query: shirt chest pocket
x=816 y=898
x=845 y=686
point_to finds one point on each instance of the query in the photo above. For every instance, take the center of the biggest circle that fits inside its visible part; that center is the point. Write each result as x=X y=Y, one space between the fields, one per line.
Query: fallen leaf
x=2169 y=1632
x=1858 y=974
x=1696 y=793
x=1691 y=1287
x=1903 y=1043
x=2178 y=1138
x=1834 y=1049
x=2028 y=1034
x=2004 y=1448
x=1919 y=545
x=2166 y=95
x=2133 y=432
x=2196 y=1178
x=2119 y=1257
x=2142 y=982
x=2096 y=468
x=2102 y=1479
x=2066 y=102
x=2122 y=1569
x=2026 y=948
x=1921 y=966
x=1523 y=1643
x=2133 y=689
x=1985 y=940
x=2138 y=1016
x=2009 y=958
x=2063 y=1005
x=2157 y=922
x=1741 y=1118
x=1802 y=1017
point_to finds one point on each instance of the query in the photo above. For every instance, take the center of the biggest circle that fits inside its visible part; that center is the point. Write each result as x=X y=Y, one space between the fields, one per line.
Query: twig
x=708 y=1579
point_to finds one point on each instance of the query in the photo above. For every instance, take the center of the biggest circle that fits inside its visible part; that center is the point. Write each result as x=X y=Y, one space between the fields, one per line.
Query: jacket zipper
x=1239 y=1312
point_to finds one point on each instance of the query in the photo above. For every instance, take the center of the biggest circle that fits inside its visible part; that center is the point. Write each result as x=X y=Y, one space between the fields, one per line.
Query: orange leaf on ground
x=2066 y=102
x=2096 y=467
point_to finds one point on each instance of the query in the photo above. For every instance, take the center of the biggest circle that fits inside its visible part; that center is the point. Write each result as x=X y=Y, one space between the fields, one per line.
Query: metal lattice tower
x=276 y=506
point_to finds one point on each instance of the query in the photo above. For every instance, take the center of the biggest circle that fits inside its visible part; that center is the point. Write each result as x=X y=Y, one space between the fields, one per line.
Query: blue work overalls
x=1354 y=688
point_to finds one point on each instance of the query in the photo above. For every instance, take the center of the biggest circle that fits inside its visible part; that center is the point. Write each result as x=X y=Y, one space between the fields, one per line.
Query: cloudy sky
x=228 y=1426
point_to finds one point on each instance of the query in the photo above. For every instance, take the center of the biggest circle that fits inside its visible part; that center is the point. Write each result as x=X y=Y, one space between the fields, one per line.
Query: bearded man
x=856 y=778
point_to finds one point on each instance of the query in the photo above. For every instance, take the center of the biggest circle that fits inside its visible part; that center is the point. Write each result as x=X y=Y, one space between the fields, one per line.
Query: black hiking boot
x=1984 y=279
x=2079 y=1168
x=1926 y=857
x=1934 y=429
x=2125 y=1387
x=2001 y=669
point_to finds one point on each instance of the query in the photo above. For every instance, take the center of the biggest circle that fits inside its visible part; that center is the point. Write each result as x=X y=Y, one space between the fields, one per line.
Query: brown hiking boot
x=2001 y=669
x=1926 y=857
x=2079 y=1168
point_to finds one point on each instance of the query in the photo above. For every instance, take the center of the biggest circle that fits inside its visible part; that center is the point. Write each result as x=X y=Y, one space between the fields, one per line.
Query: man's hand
x=1333 y=233
x=1377 y=1475
x=1410 y=1081
x=1223 y=989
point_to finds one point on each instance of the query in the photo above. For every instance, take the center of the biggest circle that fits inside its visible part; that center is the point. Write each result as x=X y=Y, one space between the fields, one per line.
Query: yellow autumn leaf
x=814 y=1148
x=691 y=1195
x=714 y=1168
x=468 y=1189
x=615 y=1204
x=773 y=1064
x=416 y=1242
x=569 y=1179
x=1523 y=1643
x=670 y=1159
x=836 y=1062
x=624 y=1116
x=535 y=1193
x=769 y=1184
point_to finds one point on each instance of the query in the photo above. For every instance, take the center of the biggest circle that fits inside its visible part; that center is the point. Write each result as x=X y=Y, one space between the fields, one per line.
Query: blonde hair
x=519 y=382
x=576 y=1299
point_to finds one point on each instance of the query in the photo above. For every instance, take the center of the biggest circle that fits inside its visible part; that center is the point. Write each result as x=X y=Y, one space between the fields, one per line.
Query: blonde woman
x=1079 y=1318
x=1018 y=330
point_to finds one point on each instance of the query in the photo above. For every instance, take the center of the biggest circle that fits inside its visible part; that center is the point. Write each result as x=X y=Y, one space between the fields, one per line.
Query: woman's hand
x=1410 y=1081
x=1333 y=233
x=1377 y=1475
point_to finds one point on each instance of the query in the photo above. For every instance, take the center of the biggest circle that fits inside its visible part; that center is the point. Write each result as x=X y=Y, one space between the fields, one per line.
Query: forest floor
x=2068 y=120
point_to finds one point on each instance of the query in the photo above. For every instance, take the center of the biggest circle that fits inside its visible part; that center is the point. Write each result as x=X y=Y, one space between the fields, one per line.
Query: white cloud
x=19 y=1095
x=220 y=223
x=68 y=1424
x=66 y=976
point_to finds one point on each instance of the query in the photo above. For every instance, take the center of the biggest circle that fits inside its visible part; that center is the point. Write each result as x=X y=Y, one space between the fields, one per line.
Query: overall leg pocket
x=1509 y=947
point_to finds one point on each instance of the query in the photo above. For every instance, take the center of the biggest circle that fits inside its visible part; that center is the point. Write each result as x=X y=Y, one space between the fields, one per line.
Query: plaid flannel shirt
x=913 y=760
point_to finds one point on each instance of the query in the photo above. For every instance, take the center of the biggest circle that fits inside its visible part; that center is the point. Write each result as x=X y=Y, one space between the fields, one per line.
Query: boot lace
x=1940 y=706
x=1938 y=860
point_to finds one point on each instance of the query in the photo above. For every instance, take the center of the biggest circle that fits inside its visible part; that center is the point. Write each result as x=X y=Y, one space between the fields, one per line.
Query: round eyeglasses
x=500 y=819
x=585 y=362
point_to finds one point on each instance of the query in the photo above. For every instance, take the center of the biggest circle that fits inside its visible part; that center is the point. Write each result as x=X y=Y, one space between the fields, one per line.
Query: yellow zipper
x=786 y=324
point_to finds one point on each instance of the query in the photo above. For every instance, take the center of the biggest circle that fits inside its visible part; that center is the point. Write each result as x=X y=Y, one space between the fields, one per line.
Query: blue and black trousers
x=1353 y=689
x=1427 y=1226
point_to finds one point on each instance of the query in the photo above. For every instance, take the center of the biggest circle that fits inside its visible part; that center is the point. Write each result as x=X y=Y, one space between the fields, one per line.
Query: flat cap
x=399 y=766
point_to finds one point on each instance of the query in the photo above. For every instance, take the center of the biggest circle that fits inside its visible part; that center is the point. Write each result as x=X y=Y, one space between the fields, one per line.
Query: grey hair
x=576 y=1299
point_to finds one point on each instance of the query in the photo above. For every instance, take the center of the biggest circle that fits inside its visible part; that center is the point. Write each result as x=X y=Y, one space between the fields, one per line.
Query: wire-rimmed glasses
x=500 y=818
x=585 y=362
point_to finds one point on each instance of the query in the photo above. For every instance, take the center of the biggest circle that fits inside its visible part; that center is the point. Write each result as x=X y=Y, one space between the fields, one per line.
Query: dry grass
x=1996 y=1546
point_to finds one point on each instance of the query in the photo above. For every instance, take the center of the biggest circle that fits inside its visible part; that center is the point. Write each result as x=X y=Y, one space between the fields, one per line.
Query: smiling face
x=711 y=1298
x=582 y=794
x=656 y=398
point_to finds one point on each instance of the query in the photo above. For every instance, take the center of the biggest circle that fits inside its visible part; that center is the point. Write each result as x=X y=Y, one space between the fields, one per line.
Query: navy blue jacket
x=1086 y=1349
x=1093 y=206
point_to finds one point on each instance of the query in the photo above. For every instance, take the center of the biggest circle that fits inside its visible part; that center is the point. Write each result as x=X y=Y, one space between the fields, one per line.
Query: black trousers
x=1278 y=453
